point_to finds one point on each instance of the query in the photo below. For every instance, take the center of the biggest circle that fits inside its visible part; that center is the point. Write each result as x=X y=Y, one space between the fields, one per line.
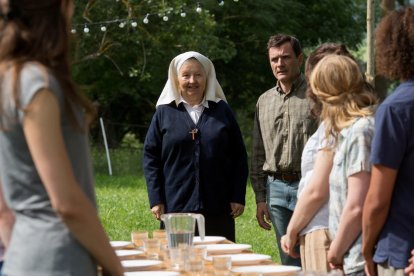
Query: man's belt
x=286 y=176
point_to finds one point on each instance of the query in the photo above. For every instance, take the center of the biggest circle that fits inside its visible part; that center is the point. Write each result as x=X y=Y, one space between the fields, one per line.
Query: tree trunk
x=370 y=73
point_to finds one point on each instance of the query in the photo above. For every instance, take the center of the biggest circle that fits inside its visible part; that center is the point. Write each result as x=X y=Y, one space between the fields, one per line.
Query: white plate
x=225 y=248
x=120 y=244
x=152 y=273
x=244 y=259
x=208 y=240
x=268 y=269
x=139 y=264
x=128 y=253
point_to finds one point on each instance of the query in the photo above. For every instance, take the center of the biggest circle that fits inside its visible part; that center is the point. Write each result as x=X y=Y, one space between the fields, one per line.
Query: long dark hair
x=38 y=31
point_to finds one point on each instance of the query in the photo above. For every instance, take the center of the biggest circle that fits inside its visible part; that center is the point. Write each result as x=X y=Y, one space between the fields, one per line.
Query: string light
x=199 y=9
x=86 y=29
x=182 y=13
x=146 y=20
x=164 y=15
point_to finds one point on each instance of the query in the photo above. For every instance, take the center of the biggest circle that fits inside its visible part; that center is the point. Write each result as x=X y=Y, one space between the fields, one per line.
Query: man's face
x=285 y=65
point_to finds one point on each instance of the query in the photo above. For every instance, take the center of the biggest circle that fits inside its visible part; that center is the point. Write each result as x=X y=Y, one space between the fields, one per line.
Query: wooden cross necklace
x=193 y=133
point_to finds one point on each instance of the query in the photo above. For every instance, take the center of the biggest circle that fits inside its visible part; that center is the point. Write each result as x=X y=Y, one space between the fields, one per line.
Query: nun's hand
x=157 y=211
x=237 y=209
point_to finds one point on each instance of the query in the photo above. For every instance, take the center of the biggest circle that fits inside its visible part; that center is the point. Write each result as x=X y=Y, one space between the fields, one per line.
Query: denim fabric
x=281 y=201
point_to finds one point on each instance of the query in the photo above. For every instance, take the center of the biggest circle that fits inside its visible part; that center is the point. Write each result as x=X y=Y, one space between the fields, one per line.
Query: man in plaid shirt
x=283 y=123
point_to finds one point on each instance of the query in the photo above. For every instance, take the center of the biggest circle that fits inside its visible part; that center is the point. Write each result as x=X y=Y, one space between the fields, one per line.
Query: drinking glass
x=152 y=248
x=222 y=265
x=177 y=258
x=138 y=236
x=194 y=264
x=198 y=252
x=160 y=234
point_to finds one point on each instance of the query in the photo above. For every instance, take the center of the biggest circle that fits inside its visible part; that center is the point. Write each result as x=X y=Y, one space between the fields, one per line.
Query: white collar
x=204 y=103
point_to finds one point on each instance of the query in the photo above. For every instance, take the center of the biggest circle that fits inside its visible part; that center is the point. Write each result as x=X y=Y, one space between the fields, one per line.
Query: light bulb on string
x=73 y=31
x=165 y=18
x=182 y=13
x=236 y=0
x=146 y=20
x=121 y=25
x=199 y=9
x=103 y=28
x=86 y=29
x=134 y=24
x=220 y=2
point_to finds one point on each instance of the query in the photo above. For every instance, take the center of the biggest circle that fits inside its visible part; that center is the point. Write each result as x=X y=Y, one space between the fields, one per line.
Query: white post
x=106 y=146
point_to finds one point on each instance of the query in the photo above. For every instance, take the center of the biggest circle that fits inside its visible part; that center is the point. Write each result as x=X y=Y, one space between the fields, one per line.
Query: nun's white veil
x=170 y=93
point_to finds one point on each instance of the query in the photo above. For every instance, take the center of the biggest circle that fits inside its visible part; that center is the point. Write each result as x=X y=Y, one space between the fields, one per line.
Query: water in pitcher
x=180 y=237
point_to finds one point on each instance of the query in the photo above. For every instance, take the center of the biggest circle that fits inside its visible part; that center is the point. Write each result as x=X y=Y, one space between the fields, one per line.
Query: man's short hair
x=279 y=39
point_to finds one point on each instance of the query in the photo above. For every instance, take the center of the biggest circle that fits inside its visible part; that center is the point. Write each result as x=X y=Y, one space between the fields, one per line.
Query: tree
x=124 y=69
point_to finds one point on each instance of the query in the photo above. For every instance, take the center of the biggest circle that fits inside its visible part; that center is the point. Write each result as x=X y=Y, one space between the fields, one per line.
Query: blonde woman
x=347 y=113
x=309 y=222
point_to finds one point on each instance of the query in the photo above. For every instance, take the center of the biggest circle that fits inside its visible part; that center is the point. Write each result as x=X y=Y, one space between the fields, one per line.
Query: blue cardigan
x=200 y=175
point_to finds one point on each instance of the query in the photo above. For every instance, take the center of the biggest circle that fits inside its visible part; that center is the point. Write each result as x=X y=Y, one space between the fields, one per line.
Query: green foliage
x=123 y=207
x=125 y=69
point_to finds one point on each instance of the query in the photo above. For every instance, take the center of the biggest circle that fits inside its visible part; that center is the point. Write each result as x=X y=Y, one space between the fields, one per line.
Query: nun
x=195 y=160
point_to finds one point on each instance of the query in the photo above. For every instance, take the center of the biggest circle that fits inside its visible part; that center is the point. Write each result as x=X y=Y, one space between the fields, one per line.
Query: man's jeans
x=281 y=201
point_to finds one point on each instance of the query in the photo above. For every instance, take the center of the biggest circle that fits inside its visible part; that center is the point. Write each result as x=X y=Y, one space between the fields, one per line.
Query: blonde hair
x=345 y=95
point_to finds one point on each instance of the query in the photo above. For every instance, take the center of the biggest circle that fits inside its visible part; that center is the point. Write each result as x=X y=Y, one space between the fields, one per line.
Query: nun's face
x=192 y=81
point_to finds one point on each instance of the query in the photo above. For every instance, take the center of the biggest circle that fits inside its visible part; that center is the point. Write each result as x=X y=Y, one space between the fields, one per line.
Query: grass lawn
x=123 y=207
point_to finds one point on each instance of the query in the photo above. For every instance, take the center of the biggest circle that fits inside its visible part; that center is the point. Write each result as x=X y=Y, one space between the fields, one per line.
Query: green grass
x=123 y=207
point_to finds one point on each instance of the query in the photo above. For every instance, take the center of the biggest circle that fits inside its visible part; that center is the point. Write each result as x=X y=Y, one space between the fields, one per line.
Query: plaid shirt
x=282 y=126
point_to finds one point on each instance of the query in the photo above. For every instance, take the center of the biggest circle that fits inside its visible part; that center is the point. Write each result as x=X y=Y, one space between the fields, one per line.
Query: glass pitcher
x=180 y=228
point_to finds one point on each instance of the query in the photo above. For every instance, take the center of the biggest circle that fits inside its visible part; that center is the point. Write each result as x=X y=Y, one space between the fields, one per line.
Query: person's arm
x=258 y=177
x=238 y=167
x=41 y=125
x=153 y=168
x=6 y=221
x=351 y=219
x=312 y=198
x=376 y=209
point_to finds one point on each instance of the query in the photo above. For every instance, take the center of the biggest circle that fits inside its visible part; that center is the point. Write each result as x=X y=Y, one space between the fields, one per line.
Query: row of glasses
x=184 y=258
x=151 y=246
x=138 y=236
x=191 y=260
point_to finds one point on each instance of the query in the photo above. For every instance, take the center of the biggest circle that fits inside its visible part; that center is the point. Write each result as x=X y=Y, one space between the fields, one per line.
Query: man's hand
x=157 y=211
x=263 y=216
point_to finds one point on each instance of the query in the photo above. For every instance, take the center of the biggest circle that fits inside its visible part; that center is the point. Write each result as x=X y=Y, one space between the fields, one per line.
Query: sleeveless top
x=315 y=143
x=41 y=244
